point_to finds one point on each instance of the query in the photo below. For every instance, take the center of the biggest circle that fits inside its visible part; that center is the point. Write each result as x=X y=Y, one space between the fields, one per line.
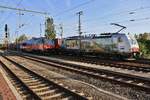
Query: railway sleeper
x=42 y=89
x=23 y=92
x=27 y=97
x=38 y=86
x=45 y=95
x=32 y=81
x=49 y=92
x=56 y=96
x=19 y=75
x=67 y=98
x=46 y=88
x=28 y=78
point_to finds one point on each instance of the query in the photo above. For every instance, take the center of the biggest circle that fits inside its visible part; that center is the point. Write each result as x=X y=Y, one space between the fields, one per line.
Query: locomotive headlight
x=134 y=54
x=134 y=49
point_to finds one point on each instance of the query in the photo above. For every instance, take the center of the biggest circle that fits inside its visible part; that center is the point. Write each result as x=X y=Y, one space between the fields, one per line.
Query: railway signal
x=6 y=36
x=61 y=28
x=6 y=31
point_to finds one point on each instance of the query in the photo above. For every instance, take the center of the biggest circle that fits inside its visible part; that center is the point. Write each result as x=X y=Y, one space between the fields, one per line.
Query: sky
x=96 y=18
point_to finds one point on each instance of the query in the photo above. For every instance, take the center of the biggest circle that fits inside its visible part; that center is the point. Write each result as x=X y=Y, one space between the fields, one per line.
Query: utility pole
x=22 y=10
x=61 y=30
x=40 y=29
x=19 y=26
x=79 y=27
x=41 y=35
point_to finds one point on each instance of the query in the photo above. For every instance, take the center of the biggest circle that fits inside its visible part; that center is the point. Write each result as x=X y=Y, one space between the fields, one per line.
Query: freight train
x=105 y=44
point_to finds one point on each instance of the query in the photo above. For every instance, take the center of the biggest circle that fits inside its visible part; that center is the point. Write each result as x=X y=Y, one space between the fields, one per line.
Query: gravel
x=121 y=90
x=81 y=87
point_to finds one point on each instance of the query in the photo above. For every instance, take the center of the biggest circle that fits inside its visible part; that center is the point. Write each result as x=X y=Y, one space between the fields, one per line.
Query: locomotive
x=105 y=44
x=40 y=44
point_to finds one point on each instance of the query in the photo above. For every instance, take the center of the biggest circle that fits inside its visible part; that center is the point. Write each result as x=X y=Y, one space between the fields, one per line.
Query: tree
x=0 y=45
x=50 y=32
x=144 y=36
x=143 y=47
x=21 y=38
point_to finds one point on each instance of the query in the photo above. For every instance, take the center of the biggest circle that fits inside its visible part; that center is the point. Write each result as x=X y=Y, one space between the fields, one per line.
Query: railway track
x=137 y=65
x=141 y=65
x=89 y=57
x=34 y=86
x=143 y=61
x=141 y=83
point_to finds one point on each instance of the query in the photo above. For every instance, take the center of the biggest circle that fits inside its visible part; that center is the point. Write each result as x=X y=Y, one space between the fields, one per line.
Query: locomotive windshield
x=132 y=40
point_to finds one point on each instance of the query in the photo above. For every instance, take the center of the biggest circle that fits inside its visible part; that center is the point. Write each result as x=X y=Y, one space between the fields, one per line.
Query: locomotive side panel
x=103 y=44
x=71 y=44
x=96 y=45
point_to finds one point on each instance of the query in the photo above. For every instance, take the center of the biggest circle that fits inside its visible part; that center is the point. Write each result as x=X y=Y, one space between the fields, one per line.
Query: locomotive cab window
x=133 y=41
x=120 y=39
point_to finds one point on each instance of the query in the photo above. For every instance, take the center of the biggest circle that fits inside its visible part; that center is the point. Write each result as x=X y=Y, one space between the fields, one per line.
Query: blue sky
x=96 y=18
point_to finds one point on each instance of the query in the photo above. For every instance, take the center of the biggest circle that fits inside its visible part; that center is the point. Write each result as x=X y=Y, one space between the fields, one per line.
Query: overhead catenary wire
x=133 y=20
x=128 y=12
x=25 y=10
x=10 y=13
x=108 y=15
x=127 y=21
x=19 y=9
x=75 y=7
x=133 y=11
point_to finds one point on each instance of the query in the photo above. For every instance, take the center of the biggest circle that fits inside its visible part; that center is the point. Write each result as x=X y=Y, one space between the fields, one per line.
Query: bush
x=144 y=46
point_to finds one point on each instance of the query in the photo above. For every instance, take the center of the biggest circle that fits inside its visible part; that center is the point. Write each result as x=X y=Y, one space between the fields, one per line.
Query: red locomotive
x=40 y=44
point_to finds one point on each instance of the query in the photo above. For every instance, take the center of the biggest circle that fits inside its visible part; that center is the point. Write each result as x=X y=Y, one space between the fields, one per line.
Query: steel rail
x=67 y=91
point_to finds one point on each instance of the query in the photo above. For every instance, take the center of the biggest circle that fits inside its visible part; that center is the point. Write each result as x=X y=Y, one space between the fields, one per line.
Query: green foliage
x=50 y=32
x=144 y=46
x=143 y=36
x=0 y=45
x=21 y=38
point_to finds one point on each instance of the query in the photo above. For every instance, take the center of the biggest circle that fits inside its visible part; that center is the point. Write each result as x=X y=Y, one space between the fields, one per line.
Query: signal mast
x=6 y=40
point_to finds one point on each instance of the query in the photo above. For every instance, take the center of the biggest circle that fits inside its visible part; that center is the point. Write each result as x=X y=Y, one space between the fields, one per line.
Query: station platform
x=5 y=91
